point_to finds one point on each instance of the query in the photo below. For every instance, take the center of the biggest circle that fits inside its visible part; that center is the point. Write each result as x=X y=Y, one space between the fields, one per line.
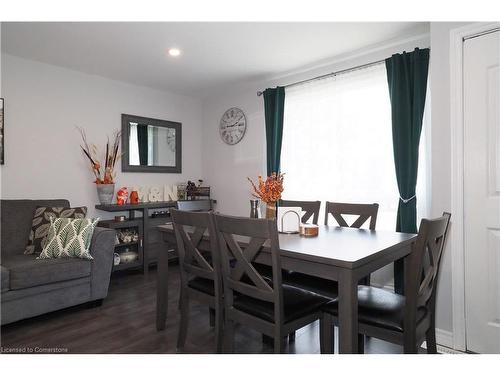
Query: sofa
x=30 y=286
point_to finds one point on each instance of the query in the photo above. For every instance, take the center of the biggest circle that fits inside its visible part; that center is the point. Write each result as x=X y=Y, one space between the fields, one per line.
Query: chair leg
x=180 y=300
x=219 y=325
x=409 y=344
x=361 y=344
x=430 y=338
x=279 y=344
x=228 y=336
x=211 y=313
x=326 y=334
x=183 y=326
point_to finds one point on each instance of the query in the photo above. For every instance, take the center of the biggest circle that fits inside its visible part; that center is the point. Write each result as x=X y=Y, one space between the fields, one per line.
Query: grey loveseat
x=30 y=287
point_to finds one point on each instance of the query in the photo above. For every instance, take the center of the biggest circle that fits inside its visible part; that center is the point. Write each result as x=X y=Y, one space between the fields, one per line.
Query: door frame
x=457 y=235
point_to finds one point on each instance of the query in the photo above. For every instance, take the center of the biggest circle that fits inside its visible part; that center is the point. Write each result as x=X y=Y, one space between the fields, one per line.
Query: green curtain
x=274 y=104
x=407 y=78
x=142 y=140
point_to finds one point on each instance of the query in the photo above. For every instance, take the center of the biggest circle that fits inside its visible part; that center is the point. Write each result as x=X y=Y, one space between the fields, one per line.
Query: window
x=337 y=143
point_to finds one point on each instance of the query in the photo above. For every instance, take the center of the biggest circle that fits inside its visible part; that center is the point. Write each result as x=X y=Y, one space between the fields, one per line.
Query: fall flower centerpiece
x=104 y=174
x=268 y=191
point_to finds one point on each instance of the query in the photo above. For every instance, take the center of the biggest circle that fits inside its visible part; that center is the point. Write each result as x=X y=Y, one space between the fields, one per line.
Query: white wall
x=45 y=103
x=441 y=156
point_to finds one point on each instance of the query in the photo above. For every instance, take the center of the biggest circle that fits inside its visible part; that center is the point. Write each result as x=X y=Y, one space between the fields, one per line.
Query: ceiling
x=214 y=55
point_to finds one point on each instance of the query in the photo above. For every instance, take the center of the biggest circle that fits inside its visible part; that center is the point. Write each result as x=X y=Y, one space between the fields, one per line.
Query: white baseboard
x=444 y=340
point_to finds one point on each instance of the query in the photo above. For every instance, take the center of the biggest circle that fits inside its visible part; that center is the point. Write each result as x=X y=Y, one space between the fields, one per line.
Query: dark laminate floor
x=125 y=323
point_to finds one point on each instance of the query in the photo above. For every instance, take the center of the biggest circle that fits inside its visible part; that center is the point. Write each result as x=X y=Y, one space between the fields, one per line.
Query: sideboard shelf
x=150 y=239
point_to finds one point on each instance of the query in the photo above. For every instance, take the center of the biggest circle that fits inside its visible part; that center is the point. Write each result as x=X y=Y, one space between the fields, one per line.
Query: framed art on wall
x=1 y=131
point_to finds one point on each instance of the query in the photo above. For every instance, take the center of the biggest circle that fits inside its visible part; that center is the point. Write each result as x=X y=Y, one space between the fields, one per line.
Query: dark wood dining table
x=345 y=255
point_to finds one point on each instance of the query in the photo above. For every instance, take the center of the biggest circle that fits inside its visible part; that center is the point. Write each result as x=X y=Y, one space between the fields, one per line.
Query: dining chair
x=362 y=211
x=310 y=209
x=405 y=320
x=199 y=270
x=252 y=299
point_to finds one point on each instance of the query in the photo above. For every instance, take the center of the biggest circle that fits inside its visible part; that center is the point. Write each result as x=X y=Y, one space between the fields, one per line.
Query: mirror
x=151 y=145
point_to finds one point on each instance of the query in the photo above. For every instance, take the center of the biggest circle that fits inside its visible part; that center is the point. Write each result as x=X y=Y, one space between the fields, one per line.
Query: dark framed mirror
x=151 y=145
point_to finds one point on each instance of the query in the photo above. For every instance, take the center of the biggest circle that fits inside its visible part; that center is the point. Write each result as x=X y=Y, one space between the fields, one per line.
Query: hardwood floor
x=125 y=323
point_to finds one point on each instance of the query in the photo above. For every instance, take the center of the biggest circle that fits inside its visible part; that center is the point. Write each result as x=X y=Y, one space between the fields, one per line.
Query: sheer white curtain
x=337 y=143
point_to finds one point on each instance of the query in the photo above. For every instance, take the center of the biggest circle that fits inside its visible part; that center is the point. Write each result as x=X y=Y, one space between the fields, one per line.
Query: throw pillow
x=41 y=223
x=69 y=238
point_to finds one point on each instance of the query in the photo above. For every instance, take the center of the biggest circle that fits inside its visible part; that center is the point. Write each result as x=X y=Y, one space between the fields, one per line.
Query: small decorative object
x=181 y=192
x=289 y=219
x=116 y=259
x=309 y=230
x=128 y=256
x=269 y=191
x=159 y=214
x=134 y=197
x=104 y=177
x=232 y=126
x=154 y=194
x=254 y=209
x=190 y=189
x=120 y=218
x=128 y=236
x=1 y=131
x=122 y=196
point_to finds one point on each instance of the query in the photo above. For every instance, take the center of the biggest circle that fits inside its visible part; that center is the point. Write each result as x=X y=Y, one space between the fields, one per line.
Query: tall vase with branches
x=268 y=191
x=104 y=176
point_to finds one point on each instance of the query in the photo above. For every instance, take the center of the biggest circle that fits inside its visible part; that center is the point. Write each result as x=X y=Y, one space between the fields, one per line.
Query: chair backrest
x=190 y=229
x=201 y=205
x=310 y=208
x=424 y=261
x=241 y=240
x=363 y=211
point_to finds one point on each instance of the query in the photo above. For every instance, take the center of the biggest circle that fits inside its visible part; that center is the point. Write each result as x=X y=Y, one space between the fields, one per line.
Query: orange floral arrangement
x=269 y=191
x=107 y=174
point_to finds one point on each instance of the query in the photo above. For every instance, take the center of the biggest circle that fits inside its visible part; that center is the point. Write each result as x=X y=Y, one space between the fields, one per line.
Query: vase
x=271 y=210
x=105 y=193
x=254 y=209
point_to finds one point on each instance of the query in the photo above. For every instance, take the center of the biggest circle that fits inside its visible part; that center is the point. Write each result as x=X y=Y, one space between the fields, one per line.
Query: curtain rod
x=333 y=74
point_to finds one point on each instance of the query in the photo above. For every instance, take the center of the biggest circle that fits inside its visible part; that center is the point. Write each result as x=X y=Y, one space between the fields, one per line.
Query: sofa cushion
x=26 y=271
x=4 y=274
x=17 y=215
x=41 y=223
x=69 y=238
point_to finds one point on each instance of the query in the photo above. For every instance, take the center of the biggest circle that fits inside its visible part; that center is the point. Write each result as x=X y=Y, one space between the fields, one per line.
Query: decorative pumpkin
x=122 y=196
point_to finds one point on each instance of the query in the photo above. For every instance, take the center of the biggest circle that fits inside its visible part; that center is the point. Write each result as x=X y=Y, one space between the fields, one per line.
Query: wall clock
x=233 y=125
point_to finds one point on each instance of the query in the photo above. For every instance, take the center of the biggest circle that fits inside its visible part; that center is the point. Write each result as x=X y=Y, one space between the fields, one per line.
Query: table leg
x=162 y=290
x=348 y=313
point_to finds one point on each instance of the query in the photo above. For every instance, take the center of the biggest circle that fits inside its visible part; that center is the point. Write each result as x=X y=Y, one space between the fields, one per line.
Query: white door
x=482 y=191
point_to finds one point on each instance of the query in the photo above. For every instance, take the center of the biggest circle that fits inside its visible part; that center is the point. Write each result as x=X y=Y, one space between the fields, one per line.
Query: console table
x=150 y=244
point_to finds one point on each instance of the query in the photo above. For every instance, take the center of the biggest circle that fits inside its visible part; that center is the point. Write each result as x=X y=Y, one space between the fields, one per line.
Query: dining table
x=342 y=254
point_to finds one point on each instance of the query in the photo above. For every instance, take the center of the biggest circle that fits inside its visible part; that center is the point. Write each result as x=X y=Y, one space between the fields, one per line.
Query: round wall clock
x=233 y=125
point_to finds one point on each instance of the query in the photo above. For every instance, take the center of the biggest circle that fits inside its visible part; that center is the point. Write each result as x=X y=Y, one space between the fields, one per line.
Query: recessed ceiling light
x=174 y=52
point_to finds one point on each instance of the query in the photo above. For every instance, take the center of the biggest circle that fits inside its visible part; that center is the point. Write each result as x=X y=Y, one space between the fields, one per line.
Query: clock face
x=233 y=125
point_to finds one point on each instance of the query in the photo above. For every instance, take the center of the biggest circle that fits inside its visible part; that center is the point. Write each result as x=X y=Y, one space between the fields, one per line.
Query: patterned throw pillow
x=41 y=223
x=69 y=238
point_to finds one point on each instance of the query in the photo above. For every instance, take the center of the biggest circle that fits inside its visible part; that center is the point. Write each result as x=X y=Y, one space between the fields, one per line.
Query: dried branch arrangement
x=269 y=190
x=107 y=174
